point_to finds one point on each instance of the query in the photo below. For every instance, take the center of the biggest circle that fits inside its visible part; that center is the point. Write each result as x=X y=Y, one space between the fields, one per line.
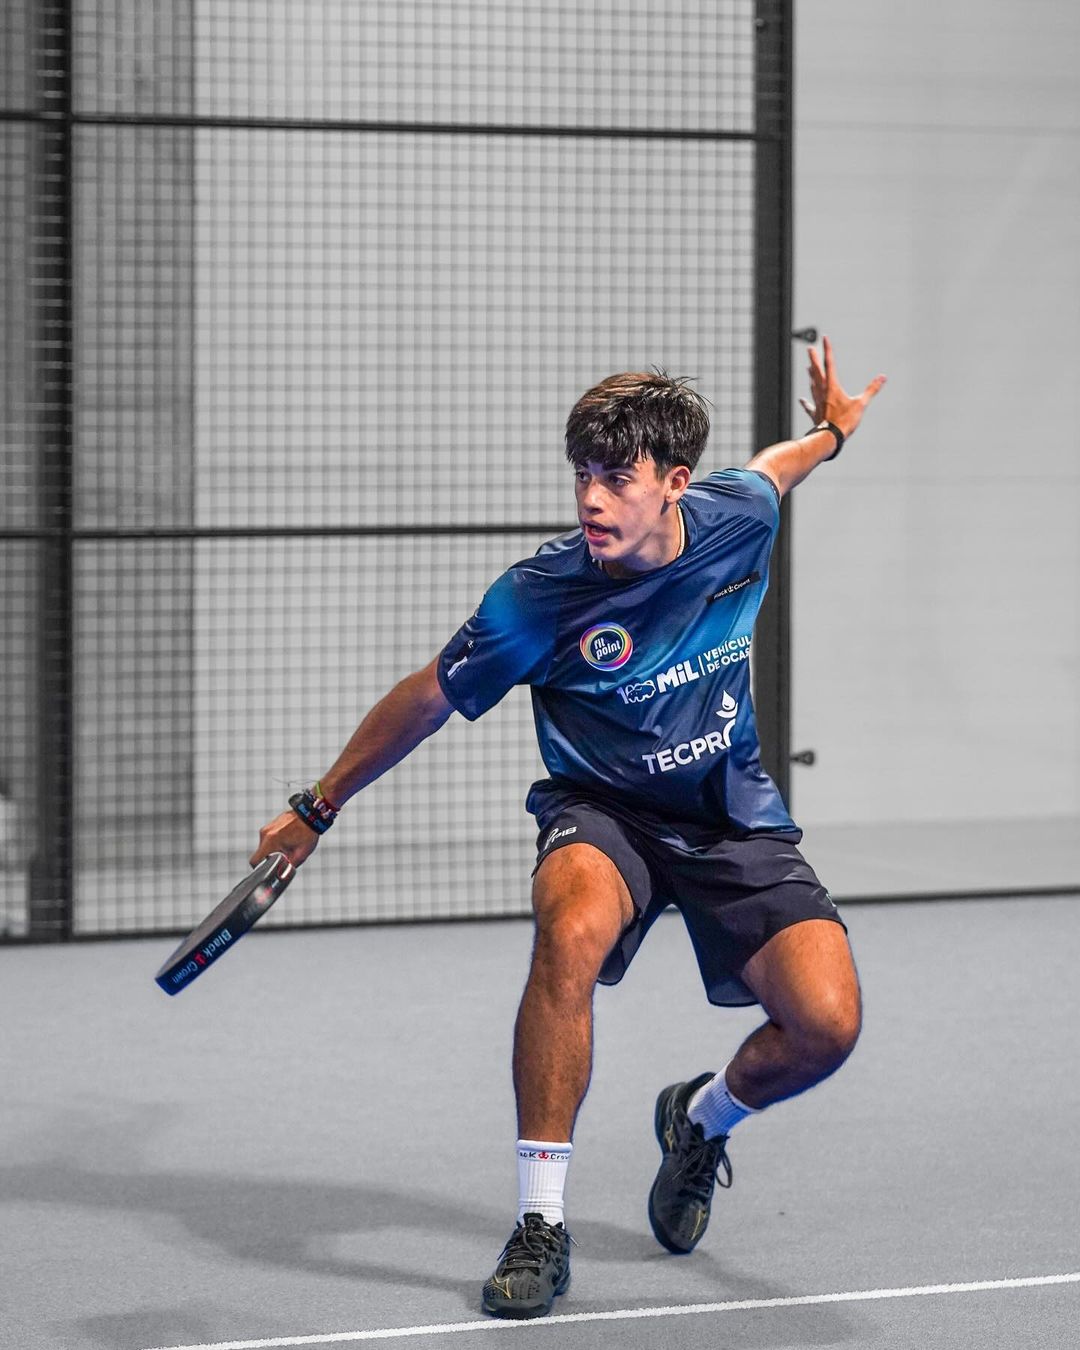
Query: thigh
x=593 y=884
x=805 y=976
x=735 y=897
x=581 y=883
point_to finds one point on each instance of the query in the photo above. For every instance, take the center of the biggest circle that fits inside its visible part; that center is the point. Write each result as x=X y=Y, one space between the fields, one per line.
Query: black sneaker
x=533 y=1268
x=682 y=1192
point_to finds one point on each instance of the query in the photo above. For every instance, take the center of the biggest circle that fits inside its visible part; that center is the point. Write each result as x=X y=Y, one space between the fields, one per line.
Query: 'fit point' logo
x=608 y=646
x=689 y=752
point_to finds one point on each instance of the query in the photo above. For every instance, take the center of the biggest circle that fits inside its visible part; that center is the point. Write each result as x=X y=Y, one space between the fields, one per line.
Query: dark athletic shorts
x=733 y=895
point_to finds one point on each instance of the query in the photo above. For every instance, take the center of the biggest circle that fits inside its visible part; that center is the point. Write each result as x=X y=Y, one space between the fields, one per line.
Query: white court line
x=628 y=1314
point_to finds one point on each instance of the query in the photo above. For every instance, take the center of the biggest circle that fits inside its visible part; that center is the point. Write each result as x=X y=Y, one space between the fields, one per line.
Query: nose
x=590 y=495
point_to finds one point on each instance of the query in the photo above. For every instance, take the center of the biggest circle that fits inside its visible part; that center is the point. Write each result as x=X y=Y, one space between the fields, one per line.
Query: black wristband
x=837 y=433
x=316 y=812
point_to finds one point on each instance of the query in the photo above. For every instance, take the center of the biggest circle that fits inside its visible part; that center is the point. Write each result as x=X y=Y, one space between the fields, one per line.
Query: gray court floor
x=316 y=1141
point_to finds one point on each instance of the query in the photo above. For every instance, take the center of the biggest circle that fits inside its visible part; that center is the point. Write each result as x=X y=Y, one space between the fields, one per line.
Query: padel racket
x=226 y=925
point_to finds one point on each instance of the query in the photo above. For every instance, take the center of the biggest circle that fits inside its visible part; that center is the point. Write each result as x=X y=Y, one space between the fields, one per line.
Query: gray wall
x=937 y=563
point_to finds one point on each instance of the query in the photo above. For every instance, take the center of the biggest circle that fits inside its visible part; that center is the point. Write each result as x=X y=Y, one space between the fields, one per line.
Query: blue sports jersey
x=640 y=686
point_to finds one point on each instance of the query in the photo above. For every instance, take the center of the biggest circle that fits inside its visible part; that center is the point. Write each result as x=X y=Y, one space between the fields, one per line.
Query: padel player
x=633 y=633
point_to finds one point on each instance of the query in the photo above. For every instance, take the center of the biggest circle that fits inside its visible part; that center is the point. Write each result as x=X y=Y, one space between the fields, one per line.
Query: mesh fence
x=330 y=276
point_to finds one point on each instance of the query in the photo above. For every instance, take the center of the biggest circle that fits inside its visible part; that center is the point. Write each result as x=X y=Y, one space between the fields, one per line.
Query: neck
x=675 y=547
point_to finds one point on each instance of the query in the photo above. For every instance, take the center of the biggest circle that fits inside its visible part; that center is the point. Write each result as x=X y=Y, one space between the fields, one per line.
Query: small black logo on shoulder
x=734 y=586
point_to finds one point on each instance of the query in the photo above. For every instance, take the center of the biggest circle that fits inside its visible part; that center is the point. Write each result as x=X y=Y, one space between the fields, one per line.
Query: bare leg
x=805 y=979
x=581 y=905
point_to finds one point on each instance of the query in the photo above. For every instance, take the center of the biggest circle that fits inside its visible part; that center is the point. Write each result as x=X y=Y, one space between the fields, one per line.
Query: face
x=628 y=514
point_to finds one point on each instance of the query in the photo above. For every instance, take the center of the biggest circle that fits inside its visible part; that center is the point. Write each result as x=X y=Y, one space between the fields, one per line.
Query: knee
x=573 y=939
x=581 y=905
x=828 y=1035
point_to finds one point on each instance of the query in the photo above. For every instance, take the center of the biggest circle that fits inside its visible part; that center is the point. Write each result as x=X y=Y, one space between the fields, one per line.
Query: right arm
x=414 y=709
x=788 y=462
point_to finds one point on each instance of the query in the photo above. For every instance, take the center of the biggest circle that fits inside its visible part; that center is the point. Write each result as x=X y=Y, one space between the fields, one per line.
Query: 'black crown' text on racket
x=222 y=929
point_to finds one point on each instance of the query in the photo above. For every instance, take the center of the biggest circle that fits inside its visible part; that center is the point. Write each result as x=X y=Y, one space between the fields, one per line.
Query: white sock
x=716 y=1109
x=541 y=1177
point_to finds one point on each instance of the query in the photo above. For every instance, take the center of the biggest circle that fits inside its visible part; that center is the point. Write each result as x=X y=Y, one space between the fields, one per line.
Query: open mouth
x=595 y=533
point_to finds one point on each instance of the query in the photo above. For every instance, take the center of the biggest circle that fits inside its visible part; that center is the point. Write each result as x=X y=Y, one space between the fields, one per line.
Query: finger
x=826 y=347
x=815 y=365
x=810 y=409
x=299 y=853
x=817 y=386
x=873 y=388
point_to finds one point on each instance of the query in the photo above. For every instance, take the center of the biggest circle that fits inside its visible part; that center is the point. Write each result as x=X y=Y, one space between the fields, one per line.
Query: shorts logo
x=608 y=646
x=559 y=834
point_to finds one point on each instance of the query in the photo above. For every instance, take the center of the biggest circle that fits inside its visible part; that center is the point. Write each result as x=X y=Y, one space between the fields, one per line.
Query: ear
x=678 y=480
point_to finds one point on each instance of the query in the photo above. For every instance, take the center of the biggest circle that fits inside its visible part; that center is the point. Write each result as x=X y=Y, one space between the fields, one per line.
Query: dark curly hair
x=628 y=416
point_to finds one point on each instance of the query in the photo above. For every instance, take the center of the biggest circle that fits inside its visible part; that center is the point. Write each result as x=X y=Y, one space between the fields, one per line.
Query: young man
x=633 y=633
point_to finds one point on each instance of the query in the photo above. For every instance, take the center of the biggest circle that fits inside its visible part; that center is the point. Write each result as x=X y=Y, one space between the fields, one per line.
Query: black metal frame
x=51 y=891
x=51 y=903
x=772 y=366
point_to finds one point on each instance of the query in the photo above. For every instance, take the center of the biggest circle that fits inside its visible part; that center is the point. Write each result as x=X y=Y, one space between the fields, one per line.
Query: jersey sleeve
x=746 y=489
x=506 y=642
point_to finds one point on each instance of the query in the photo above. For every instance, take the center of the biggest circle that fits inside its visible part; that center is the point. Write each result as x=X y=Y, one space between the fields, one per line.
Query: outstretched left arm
x=788 y=462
